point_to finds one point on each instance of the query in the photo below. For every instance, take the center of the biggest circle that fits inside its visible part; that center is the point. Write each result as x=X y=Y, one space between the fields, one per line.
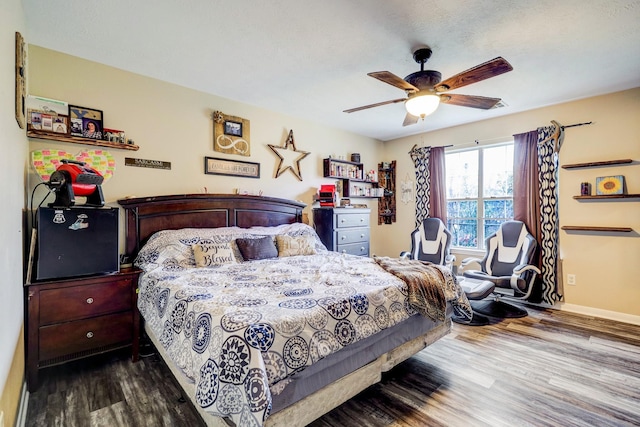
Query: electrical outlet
x=571 y=279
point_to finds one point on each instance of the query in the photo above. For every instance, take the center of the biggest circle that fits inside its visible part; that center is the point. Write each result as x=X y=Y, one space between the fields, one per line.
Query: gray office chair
x=509 y=252
x=431 y=242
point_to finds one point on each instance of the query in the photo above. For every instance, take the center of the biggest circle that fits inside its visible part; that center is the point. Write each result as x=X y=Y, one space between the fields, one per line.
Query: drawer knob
x=89 y=300
x=362 y=236
x=361 y=219
x=343 y=220
x=343 y=237
x=344 y=251
x=361 y=249
x=89 y=334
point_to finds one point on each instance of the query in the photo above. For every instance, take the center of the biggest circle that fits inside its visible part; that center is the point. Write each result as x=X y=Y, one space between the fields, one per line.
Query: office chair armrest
x=448 y=261
x=467 y=261
x=405 y=255
x=519 y=274
x=519 y=269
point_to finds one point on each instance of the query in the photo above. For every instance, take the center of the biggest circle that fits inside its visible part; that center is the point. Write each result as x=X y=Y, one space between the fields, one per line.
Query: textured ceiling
x=310 y=59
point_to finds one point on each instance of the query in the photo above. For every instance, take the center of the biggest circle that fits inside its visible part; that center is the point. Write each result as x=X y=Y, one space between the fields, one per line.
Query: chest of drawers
x=75 y=318
x=343 y=230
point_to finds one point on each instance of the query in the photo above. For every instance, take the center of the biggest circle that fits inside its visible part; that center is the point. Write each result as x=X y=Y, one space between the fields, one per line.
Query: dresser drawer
x=352 y=220
x=352 y=235
x=78 y=302
x=361 y=248
x=82 y=335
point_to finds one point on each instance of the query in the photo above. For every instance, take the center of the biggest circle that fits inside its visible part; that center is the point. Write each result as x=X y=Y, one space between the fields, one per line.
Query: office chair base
x=498 y=309
x=476 y=320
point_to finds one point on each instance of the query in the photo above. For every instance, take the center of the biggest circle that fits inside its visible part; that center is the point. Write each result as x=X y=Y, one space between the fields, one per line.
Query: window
x=479 y=193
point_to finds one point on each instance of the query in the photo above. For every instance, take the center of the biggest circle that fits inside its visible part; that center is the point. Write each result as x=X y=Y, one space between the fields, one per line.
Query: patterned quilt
x=239 y=329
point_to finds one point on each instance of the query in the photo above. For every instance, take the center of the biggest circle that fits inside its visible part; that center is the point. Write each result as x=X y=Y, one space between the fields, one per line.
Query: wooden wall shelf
x=607 y=196
x=594 y=164
x=79 y=140
x=589 y=228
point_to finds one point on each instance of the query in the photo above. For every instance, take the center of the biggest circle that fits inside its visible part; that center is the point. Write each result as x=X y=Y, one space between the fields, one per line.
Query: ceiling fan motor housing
x=424 y=80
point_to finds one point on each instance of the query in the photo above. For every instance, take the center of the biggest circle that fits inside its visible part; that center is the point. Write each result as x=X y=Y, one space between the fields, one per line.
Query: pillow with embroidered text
x=213 y=254
x=295 y=245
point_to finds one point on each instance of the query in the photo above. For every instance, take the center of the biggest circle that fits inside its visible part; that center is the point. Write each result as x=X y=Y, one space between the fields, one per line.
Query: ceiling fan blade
x=364 y=107
x=476 y=74
x=393 y=80
x=472 y=101
x=410 y=119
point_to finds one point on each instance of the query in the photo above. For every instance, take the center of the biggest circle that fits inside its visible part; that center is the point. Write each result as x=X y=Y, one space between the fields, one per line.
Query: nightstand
x=69 y=319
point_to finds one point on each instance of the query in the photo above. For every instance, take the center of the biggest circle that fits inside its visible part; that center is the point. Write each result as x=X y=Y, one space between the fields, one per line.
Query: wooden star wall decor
x=289 y=157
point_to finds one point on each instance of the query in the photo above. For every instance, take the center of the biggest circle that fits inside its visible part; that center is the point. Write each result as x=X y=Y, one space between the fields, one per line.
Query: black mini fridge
x=76 y=242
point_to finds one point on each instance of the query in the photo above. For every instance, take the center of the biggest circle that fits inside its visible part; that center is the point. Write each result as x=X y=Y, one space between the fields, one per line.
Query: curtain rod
x=476 y=142
x=575 y=124
x=429 y=146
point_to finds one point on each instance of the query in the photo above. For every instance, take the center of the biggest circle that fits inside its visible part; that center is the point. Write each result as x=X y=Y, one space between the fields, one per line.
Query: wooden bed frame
x=145 y=216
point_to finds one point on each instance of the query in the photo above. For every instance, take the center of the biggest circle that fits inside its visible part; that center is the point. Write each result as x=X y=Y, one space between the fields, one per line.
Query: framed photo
x=60 y=124
x=607 y=185
x=85 y=122
x=233 y=128
x=216 y=166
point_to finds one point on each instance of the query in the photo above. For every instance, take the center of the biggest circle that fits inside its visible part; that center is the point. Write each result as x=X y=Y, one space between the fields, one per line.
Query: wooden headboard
x=146 y=215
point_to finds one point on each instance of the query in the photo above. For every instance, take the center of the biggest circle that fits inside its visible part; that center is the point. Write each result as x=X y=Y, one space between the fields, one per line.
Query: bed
x=257 y=338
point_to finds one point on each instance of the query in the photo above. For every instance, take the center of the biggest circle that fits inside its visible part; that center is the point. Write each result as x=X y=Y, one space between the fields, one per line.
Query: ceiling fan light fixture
x=422 y=105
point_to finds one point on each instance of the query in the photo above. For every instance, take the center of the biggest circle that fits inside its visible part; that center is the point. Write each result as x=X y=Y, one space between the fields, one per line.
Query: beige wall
x=605 y=264
x=12 y=176
x=173 y=123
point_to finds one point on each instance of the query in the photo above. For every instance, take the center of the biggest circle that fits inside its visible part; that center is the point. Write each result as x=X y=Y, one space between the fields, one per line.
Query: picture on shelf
x=86 y=122
x=608 y=185
x=59 y=125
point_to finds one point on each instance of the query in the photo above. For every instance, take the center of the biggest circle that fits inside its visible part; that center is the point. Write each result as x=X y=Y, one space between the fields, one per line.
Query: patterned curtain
x=431 y=195
x=549 y=140
x=420 y=157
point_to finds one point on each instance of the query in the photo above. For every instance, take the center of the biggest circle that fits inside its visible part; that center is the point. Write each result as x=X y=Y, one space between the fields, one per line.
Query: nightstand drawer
x=353 y=235
x=352 y=220
x=78 y=302
x=67 y=339
x=361 y=248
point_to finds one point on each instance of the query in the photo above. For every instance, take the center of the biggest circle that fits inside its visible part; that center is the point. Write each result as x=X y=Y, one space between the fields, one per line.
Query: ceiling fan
x=425 y=90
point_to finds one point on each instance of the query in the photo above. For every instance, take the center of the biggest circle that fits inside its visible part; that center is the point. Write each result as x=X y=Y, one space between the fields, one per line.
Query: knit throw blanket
x=426 y=283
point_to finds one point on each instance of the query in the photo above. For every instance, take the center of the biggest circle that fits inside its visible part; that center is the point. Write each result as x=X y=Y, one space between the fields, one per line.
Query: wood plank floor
x=551 y=368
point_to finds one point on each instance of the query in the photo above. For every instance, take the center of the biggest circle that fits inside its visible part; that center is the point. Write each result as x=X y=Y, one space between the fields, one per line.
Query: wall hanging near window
x=407 y=189
x=231 y=134
x=289 y=157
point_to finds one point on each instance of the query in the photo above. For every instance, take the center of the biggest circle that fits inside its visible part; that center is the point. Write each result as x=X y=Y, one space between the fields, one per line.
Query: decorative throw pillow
x=292 y=246
x=258 y=248
x=213 y=254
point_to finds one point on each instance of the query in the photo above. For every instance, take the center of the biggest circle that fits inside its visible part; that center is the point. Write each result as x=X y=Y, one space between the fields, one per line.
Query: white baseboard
x=21 y=419
x=597 y=312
